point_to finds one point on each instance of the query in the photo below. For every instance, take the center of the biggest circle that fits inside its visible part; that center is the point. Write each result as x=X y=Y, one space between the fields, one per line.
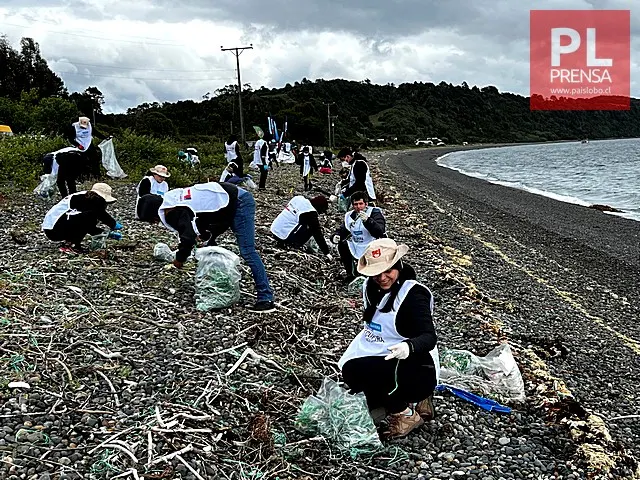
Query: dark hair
x=355 y=196
x=344 y=152
x=232 y=138
x=320 y=203
x=374 y=290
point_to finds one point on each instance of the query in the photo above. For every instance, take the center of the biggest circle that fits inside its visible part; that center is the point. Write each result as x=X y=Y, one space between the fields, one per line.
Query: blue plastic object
x=482 y=402
x=115 y=235
x=118 y=226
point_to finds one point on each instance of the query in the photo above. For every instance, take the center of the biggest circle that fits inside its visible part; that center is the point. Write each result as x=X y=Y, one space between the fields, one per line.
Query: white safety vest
x=157 y=188
x=368 y=182
x=230 y=151
x=58 y=210
x=289 y=218
x=376 y=337
x=224 y=175
x=83 y=135
x=306 y=169
x=257 y=158
x=287 y=147
x=360 y=236
x=201 y=198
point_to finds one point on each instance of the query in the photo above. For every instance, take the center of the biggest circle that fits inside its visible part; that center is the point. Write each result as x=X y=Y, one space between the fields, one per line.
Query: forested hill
x=364 y=110
x=33 y=99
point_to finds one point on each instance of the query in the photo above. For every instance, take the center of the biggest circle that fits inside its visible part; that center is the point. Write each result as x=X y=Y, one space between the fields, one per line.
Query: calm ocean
x=605 y=172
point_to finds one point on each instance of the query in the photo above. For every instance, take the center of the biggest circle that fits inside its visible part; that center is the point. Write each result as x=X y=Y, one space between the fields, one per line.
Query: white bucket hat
x=104 y=191
x=380 y=256
x=160 y=170
x=83 y=122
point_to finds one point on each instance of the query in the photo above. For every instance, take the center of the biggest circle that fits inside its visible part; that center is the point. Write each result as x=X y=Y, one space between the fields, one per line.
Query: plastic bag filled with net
x=47 y=186
x=217 y=278
x=495 y=375
x=343 y=419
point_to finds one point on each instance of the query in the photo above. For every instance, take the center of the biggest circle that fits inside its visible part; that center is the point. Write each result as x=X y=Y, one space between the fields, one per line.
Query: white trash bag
x=495 y=375
x=109 y=159
x=217 y=278
x=162 y=252
x=47 y=186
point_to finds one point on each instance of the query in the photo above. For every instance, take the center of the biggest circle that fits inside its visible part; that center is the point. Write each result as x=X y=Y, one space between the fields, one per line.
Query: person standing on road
x=394 y=359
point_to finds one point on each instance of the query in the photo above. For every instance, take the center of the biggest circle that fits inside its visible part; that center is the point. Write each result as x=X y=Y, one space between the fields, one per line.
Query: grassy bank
x=21 y=158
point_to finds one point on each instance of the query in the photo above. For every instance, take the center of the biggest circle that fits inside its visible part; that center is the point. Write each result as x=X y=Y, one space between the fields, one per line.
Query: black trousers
x=298 y=237
x=73 y=228
x=347 y=259
x=378 y=378
x=91 y=163
x=307 y=182
x=66 y=179
x=263 y=178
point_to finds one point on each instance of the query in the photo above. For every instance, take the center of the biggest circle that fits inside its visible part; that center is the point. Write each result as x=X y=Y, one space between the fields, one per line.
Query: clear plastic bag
x=217 y=278
x=161 y=251
x=249 y=183
x=109 y=159
x=341 y=418
x=99 y=242
x=343 y=204
x=355 y=287
x=47 y=186
x=495 y=375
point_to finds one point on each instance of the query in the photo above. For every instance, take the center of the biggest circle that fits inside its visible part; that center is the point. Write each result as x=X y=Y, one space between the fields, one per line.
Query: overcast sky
x=168 y=50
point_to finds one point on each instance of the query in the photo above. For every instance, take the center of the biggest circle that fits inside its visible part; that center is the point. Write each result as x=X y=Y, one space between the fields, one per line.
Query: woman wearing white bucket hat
x=394 y=359
x=78 y=214
x=154 y=183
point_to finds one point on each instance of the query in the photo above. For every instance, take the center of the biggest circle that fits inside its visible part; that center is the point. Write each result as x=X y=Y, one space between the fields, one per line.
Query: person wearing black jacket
x=299 y=222
x=362 y=225
x=394 y=359
x=65 y=163
x=205 y=211
x=80 y=134
x=78 y=214
x=307 y=165
x=360 y=176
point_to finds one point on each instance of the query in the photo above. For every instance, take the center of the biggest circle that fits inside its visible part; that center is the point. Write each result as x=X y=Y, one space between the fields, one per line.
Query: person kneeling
x=394 y=359
x=78 y=215
x=299 y=221
x=362 y=225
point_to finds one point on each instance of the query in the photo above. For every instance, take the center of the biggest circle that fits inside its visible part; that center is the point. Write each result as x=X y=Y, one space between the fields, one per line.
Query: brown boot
x=401 y=424
x=426 y=409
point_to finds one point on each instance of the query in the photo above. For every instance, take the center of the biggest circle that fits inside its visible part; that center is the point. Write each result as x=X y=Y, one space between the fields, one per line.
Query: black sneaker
x=263 y=306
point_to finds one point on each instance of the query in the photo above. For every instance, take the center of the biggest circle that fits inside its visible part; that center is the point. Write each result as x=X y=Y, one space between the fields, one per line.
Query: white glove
x=333 y=199
x=363 y=216
x=329 y=257
x=399 y=351
x=336 y=239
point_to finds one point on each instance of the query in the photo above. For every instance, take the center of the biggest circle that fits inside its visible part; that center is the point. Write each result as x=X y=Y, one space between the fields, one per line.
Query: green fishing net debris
x=343 y=419
x=355 y=287
x=343 y=204
x=217 y=278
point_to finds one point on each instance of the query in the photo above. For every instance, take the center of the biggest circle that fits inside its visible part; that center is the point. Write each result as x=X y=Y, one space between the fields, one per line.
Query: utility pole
x=237 y=51
x=328 y=104
x=333 y=126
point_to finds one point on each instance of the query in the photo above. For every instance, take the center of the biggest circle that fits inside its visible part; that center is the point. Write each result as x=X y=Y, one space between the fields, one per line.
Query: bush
x=21 y=156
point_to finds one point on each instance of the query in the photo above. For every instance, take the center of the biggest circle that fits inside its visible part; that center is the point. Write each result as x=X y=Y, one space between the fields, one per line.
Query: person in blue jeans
x=205 y=211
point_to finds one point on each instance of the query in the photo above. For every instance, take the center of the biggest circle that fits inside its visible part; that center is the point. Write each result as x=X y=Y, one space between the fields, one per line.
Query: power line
x=144 y=78
x=101 y=38
x=142 y=69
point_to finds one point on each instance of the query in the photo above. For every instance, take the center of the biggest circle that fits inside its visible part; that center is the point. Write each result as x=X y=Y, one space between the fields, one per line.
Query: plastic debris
x=24 y=385
x=98 y=242
x=47 y=186
x=484 y=403
x=217 y=278
x=341 y=418
x=109 y=161
x=161 y=251
x=496 y=375
x=355 y=287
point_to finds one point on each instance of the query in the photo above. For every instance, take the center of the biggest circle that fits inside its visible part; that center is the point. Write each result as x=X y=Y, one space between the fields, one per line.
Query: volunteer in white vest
x=394 y=359
x=300 y=221
x=78 y=214
x=307 y=166
x=205 y=211
x=232 y=154
x=360 y=177
x=361 y=226
x=154 y=183
x=260 y=150
x=66 y=163
x=80 y=134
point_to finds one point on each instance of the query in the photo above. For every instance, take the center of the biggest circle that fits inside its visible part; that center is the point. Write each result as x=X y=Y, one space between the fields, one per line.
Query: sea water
x=603 y=172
